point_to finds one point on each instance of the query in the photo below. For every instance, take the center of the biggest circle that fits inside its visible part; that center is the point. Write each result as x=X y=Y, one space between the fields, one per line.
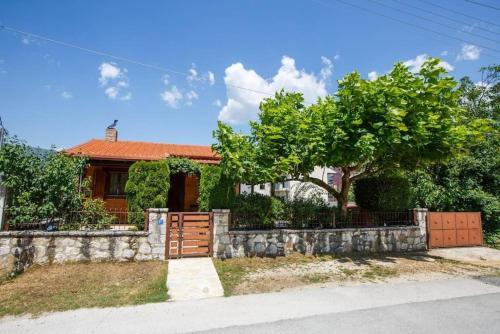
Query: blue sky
x=54 y=95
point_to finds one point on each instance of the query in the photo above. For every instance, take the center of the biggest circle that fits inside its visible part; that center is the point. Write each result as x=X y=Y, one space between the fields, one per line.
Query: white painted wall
x=292 y=189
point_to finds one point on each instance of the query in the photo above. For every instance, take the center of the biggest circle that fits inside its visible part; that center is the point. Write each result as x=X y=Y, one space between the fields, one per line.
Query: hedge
x=147 y=187
x=216 y=190
x=382 y=193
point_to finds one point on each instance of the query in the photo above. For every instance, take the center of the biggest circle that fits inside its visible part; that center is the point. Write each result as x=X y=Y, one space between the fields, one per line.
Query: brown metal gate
x=452 y=229
x=189 y=234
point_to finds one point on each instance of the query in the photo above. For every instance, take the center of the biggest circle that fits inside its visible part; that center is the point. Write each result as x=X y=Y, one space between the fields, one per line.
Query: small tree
x=400 y=120
x=40 y=183
x=147 y=187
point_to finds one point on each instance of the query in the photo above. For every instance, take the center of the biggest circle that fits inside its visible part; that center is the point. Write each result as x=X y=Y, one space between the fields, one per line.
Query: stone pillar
x=157 y=228
x=221 y=239
x=420 y=215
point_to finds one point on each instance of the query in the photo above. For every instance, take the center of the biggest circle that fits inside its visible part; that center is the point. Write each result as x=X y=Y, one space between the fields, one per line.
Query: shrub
x=40 y=183
x=93 y=216
x=258 y=208
x=147 y=187
x=383 y=193
x=216 y=190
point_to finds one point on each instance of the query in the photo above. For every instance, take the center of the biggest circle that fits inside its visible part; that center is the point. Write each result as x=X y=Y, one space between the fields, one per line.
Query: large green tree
x=400 y=120
x=471 y=182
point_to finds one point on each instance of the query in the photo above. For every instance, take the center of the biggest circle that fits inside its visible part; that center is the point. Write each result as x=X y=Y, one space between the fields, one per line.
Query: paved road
x=477 y=314
x=320 y=309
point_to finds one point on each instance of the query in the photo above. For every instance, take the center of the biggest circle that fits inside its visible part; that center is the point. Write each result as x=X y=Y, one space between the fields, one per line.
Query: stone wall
x=327 y=241
x=21 y=249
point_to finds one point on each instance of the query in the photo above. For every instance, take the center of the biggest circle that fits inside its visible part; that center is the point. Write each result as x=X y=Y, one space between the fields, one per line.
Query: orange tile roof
x=135 y=150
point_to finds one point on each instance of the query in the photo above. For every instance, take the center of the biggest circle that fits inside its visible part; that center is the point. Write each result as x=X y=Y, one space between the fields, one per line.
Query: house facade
x=296 y=189
x=110 y=160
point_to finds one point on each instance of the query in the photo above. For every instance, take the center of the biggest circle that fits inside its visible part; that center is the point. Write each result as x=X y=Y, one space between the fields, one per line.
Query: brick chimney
x=111 y=134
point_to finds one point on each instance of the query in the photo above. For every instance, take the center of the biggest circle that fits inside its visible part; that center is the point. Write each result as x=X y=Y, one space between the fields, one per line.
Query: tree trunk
x=251 y=189
x=343 y=198
x=272 y=190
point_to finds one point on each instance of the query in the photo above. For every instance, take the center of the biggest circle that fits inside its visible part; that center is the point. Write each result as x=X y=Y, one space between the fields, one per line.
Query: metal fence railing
x=323 y=220
x=113 y=219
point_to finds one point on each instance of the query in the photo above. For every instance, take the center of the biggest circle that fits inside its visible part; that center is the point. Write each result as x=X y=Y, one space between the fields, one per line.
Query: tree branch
x=322 y=184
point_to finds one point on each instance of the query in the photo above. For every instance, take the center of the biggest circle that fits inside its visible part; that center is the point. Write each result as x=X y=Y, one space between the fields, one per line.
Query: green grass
x=77 y=285
x=230 y=274
x=378 y=272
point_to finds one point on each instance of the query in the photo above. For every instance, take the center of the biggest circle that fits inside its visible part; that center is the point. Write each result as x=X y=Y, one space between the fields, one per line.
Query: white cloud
x=190 y=96
x=373 y=75
x=217 y=103
x=165 y=79
x=67 y=95
x=172 y=97
x=193 y=74
x=115 y=81
x=25 y=40
x=111 y=92
x=327 y=69
x=469 y=52
x=194 y=77
x=444 y=53
x=336 y=57
x=211 y=78
x=415 y=64
x=108 y=71
x=243 y=105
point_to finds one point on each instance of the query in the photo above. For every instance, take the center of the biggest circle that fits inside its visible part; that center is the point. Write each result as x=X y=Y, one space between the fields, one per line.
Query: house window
x=262 y=186
x=116 y=184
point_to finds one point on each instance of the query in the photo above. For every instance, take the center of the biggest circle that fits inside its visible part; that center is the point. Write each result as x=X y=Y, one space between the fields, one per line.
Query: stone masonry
x=21 y=249
x=281 y=242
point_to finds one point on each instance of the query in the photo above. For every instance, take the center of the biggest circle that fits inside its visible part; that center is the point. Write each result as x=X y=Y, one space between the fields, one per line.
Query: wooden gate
x=189 y=234
x=452 y=229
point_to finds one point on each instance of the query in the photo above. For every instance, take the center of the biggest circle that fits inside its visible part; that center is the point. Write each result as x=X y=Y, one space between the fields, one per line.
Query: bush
x=382 y=193
x=40 y=183
x=216 y=190
x=258 y=208
x=147 y=187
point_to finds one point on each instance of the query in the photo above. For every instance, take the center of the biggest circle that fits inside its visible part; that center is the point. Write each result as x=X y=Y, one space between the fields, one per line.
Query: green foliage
x=401 y=120
x=302 y=207
x=93 y=216
x=261 y=208
x=147 y=187
x=216 y=190
x=471 y=182
x=40 y=185
x=183 y=165
x=383 y=193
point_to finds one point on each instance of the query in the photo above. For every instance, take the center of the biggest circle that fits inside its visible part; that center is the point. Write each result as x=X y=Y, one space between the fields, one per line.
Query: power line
x=483 y=4
x=433 y=21
x=410 y=24
x=109 y=55
x=445 y=17
x=459 y=13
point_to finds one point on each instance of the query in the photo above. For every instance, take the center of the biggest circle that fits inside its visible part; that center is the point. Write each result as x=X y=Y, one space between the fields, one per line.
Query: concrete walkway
x=475 y=255
x=214 y=313
x=193 y=278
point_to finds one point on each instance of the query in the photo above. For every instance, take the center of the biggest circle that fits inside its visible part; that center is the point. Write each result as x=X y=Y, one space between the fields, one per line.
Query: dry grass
x=77 y=285
x=253 y=275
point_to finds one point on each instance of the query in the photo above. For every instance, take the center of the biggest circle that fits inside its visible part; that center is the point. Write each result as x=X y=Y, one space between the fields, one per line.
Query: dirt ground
x=69 y=286
x=244 y=276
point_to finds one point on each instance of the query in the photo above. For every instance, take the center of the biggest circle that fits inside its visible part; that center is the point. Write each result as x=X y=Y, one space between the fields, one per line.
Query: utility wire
x=445 y=17
x=459 y=13
x=433 y=21
x=410 y=24
x=109 y=55
x=483 y=4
